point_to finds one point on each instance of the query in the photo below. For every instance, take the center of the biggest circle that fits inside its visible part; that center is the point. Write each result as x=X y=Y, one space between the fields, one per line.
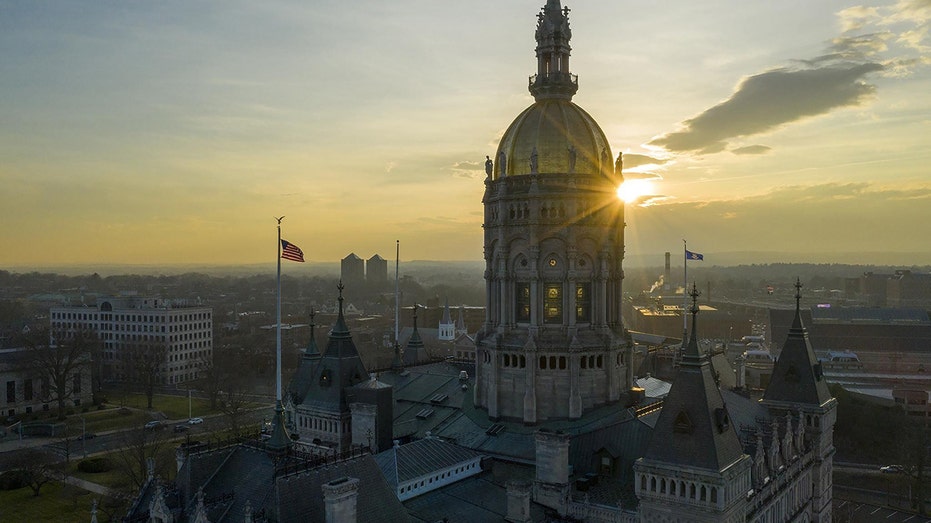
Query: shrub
x=94 y=465
x=83 y=409
x=12 y=480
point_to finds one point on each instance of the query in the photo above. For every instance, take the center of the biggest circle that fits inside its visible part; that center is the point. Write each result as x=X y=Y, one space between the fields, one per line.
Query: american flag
x=292 y=252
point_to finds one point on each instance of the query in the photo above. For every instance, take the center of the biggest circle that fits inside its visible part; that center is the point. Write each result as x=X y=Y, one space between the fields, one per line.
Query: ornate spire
x=553 y=79
x=340 y=330
x=312 y=350
x=797 y=322
x=692 y=355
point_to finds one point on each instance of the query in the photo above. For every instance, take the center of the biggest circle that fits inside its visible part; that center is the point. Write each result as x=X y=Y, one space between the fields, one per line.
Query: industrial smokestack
x=666 y=280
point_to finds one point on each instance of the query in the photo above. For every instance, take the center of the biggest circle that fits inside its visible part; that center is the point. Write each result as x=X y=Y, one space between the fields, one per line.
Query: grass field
x=56 y=502
x=175 y=407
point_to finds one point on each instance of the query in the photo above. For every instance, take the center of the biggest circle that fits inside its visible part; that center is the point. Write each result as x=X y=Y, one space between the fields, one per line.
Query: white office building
x=183 y=332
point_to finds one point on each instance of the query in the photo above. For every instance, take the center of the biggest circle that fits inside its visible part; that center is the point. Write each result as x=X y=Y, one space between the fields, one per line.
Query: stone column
x=364 y=428
x=530 y=389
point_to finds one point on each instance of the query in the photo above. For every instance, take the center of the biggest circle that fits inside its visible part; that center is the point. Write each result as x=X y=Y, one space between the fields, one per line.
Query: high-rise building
x=552 y=345
x=376 y=270
x=352 y=270
x=180 y=333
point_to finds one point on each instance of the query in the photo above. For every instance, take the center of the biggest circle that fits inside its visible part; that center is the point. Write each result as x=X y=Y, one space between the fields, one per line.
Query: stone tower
x=694 y=469
x=798 y=387
x=552 y=344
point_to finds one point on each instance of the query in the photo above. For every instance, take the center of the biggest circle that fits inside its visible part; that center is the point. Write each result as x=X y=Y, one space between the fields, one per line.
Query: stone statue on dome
x=489 y=166
x=533 y=161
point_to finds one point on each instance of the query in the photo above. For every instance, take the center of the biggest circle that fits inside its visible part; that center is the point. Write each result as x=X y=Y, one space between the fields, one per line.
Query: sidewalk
x=90 y=486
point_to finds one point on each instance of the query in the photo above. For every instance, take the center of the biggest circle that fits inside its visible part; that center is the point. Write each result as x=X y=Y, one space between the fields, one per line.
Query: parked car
x=88 y=435
x=195 y=421
x=181 y=428
x=892 y=469
x=154 y=424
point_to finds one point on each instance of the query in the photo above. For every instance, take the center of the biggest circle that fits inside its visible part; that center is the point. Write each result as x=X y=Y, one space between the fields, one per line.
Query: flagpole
x=685 y=294
x=278 y=321
x=397 y=263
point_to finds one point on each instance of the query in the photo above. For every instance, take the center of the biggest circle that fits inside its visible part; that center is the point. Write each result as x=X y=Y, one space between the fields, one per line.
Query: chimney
x=340 y=496
x=666 y=280
x=518 y=501
x=551 y=485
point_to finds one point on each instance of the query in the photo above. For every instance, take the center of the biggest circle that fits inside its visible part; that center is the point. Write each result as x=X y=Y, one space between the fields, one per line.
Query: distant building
x=903 y=288
x=352 y=271
x=376 y=270
x=26 y=387
x=183 y=332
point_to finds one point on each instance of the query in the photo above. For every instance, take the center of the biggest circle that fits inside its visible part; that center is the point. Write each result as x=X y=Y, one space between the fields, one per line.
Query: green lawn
x=175 y=407
x=56 y=502
x=112 y=478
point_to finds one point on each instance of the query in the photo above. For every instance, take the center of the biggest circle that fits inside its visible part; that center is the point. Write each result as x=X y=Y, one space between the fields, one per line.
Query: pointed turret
x=798 y=387
x=319 y=390
x=553 y=79
x=797 y=376
x=694 y=428
x=415 y=352
x=446 y=330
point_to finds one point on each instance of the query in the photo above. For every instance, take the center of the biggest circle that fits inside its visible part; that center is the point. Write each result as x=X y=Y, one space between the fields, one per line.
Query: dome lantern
x=553 y=79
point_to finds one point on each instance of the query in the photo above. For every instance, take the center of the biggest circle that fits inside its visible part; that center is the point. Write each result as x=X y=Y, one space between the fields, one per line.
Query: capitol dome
x=567 y=140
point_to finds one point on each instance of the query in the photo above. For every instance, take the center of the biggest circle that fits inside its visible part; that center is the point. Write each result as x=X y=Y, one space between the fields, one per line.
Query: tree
x=60 y=361
x=37 y=468
x=144 y=363
x=136 y=448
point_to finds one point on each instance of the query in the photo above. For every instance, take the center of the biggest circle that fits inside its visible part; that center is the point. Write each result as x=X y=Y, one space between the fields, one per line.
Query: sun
x=631 y=190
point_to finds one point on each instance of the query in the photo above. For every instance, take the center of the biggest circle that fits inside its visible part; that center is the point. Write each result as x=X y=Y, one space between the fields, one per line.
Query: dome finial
x=553 y=79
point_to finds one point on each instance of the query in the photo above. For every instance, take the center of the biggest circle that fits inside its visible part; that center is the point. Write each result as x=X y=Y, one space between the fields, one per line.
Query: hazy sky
x=173 y=131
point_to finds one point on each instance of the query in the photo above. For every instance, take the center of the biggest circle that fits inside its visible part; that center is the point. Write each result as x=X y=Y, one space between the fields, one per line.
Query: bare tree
x=135 y=448
x=59 y=360
x=145 y=363
x=37 y=468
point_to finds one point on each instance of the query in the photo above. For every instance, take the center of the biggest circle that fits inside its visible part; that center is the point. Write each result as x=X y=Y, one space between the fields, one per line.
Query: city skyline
x=172 y=133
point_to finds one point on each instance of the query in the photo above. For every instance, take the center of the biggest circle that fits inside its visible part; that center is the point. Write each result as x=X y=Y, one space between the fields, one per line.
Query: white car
x=195 y=421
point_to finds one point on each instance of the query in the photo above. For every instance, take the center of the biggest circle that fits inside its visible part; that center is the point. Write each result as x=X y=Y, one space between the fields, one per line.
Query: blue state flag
x=689 y=255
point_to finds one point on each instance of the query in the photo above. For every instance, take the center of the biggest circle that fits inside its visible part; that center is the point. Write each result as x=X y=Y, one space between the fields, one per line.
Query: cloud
x=752 y=149
x=889 y=41
x=632 y=160
x=856 y=17
x=768 y=100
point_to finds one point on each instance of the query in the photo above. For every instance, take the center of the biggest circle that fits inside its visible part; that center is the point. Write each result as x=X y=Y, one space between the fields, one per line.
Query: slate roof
x=693 y=428
x=797 y=376
x=419 y=458
x=302 y=493
x=482 y=497
x=321 y=383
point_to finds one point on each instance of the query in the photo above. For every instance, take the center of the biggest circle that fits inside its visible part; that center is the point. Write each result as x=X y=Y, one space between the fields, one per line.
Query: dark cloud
x=767 y=100
x=632 y=160
x=752 y=149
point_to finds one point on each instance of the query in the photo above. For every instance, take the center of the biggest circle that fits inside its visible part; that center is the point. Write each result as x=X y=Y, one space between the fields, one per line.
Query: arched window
x=552 y=303
x=583 y=302
x=522 y=301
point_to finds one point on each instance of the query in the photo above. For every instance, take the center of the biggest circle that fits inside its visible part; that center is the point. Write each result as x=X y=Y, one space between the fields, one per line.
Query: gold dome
x=557 y=130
